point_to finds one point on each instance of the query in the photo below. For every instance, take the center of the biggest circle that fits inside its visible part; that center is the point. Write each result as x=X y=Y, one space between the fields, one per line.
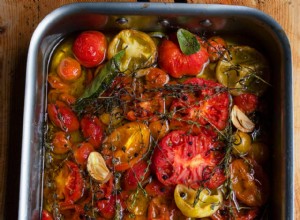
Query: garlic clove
x=241 y=121
x=97 y=168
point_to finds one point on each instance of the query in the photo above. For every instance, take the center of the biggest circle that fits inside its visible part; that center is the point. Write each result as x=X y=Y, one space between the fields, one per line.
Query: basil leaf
x=101 y=82
x=188 y=42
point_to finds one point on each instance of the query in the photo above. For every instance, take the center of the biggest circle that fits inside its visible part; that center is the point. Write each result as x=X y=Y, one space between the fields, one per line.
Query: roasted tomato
x=46 y=215
x=69 y=69
x=159 y=209
x=172 y=60
x=156 y=78
x=61 y=142
x=181 y=158
x=202 y=102
x=138 y=174
x=246 y=102
x=107 y=207
x=69 y=184
x=126 y=145
x=156 y=188
x=137 y=202
x=63 y=117
x=216 y=47
x=82 y=152
x=249 y=182
x=92 y=130
x=90 y=48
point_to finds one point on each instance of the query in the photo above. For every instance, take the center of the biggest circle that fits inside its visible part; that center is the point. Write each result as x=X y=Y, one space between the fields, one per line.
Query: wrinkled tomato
x=61 y=142
x=63 y=117
x=156 y=188
x=181 y=158
x=207 y=103
x=246 y=102
x=216 y=47
x=92 y=130
x=138 y=174
x=172 y=60
x=82 y=152
x=90 y=48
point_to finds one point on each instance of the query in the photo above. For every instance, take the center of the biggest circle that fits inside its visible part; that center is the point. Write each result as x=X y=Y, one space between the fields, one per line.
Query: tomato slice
x=177 y=64
x=206 y=102
x=181 y=158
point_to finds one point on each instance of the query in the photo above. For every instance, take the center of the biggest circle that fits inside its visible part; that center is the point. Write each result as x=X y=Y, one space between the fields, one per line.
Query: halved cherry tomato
x=104 y=190
x=61 y=142
x=249 y=182
x=176 y=63
x=69 y=184
x=62 y=116
x=57 y=83
x=156 y=78
x=205 y=102
x=246 y=102
x=216 y=47
x=82 y=152
x=90 y=48
x=92 y=130
x=46 y=215
x=138 y=174
x=69 y=69
x=126 y=145
x=181 y=158
x=107 y=206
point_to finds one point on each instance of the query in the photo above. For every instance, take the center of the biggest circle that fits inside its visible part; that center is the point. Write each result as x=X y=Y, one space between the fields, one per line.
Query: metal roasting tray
x=218 y=19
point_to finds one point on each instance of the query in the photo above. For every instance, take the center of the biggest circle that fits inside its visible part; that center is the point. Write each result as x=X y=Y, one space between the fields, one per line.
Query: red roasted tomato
x=176 y=63
x=182 y=158
x=92 y=130
x=90 y=48
x=62 y=116
x=207 y=103
x=138 y=173
x=82 y=152
x=246 y=102
x=46 y=215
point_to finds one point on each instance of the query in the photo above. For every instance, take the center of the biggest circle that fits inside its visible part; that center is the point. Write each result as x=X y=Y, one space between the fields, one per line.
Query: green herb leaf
x=101 y=82
x=188 y=42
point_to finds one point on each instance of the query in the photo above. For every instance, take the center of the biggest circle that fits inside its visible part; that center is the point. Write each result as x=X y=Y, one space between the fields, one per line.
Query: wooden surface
x=18 y=20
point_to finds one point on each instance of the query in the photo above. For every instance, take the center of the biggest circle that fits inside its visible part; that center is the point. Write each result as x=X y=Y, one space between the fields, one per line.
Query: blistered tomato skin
x=92 y=130
x=177 y=64
x=90 y=48
x=62 y=116
x=61 y=143
x=69 y=69
x=82 y=152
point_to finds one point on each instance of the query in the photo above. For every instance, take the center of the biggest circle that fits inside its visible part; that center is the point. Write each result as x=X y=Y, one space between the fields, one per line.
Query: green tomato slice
x=207 y=203
x=243 y=70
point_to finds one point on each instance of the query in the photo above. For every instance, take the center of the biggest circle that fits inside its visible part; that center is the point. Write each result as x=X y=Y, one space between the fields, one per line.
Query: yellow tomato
x=138 y=201
x=206 y=204
x=241 y=143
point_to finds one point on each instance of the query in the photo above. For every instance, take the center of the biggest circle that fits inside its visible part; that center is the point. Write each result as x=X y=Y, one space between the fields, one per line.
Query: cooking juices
x=164 y=128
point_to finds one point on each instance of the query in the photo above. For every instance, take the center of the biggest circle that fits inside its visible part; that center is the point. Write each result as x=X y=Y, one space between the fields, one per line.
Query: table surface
x=18 y=19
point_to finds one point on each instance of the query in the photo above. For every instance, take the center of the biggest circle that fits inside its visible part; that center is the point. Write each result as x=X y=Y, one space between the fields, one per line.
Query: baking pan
x=217 y=19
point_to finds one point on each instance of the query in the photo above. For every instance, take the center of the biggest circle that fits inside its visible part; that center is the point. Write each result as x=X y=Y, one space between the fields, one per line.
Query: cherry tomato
x=130 y=216
x=61 y=142
x=69 y=69
x=176 y=63
x=206 y=104
x=62 y=116
x=216 y=47
x=69 y=184
x=107 y=207
x=246 y=102
x=213 y=177
x=137 y=174
x=159 y=129
x=181 y=158
x=249 y=182
x=92 y=130
x=158 y=209
x=126 y=145
x=56 y=83
x=82 y=152
x=104 y=190
x=137 y=202
x=90 y=48
x=46 y=215
x=156 y=78
x=156 y=188
x=242 y=143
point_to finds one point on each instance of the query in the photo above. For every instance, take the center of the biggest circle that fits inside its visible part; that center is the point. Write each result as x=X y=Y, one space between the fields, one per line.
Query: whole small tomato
x=172 y=60
x=69 y=69
x=249 y=182
x=46 y=215
x=61 y=142
x=92 y=130
x=156 y=188
x=138 y=173
x=90 y=48
x=82 y=152
x=246 y=102
x=216 y=47
x=62 y=116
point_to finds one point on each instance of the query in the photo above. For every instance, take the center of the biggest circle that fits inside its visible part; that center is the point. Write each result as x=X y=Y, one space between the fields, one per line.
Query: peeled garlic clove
x=241 y=121
x=97 y=168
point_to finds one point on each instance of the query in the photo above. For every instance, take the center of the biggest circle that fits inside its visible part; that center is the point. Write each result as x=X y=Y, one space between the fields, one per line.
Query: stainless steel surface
x=219 y=19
